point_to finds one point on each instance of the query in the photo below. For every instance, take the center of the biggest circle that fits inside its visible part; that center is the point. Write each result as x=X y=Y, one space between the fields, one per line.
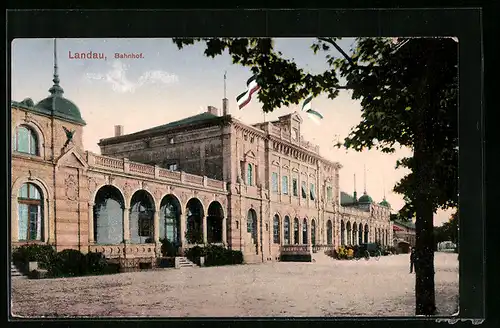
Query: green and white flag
x=244 y=98
x=314 y=115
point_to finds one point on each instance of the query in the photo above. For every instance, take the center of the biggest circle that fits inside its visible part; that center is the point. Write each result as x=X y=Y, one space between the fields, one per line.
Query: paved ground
x=324 y=288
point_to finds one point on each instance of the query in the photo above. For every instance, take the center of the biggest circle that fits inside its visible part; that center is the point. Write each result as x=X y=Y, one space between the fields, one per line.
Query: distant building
x=404 y=235
x=208 y=178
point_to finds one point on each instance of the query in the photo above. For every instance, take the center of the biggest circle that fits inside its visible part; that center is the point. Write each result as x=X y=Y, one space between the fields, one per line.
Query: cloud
x=117 y=78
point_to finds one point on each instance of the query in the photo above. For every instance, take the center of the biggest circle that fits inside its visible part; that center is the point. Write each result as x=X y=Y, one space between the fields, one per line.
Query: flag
x=313 y=114
x=244 y=98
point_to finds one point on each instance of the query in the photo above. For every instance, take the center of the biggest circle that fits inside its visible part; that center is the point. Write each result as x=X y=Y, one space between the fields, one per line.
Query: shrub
x=168 y=248
x=95 y=263
x=214 y=255
x=68 y=262
x=43 y=254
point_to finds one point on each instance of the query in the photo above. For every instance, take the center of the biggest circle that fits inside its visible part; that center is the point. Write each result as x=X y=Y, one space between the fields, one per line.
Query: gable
x=72 y=159
x=249 y=154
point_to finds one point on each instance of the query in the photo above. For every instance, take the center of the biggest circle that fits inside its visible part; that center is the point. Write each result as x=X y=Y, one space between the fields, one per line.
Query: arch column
x=156 y=226
x=204 y=224
x=91 y=222
x=224 y=230
x=183 y=240
x=126 y=224
x=14 y=227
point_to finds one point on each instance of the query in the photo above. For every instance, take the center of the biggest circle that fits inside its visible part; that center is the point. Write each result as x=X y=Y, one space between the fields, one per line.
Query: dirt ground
x=325 y=287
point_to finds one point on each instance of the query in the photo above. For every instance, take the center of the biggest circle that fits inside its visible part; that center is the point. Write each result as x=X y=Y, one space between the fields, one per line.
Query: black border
x=463 y=23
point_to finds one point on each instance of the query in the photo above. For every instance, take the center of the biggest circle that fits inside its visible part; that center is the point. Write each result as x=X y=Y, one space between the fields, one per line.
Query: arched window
x=295 y=231
x=276 y=229
x=249 y=175
x=30 y=223
x=313 y=232
x=286 y=228
x=304 y=232
x=25 y=140
x=329 y=232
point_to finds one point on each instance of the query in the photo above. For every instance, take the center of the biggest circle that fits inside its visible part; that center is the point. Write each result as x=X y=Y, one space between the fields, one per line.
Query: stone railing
x=310 y=146
x=215 y=184
x=191 y=178
x=122 y=251
x=317 y=248
x=296 y=249
x=174 y=175
x=142 y=168
x=152 y=171
x=276 y=130
x=353 y=211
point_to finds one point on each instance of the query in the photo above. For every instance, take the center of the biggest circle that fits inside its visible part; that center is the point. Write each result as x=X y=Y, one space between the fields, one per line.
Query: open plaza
x=323 y=288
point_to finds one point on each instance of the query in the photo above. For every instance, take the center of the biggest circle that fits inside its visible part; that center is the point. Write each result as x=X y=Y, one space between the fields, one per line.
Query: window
x=249 y=175
x=274 y=182
x=172 y=167
x=295 y=187
x=145 y=223
x=329 y=194
x=304 y=189
x=171 y=141
x=284 y=185
x=304 y=232
x=295 y=231
x=286 y=228
x=25 y=140
x=276 y=229
x=30 y=223
x=312 y=194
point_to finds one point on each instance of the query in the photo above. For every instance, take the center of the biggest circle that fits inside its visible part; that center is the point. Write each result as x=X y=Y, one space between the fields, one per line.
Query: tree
x=408 y=95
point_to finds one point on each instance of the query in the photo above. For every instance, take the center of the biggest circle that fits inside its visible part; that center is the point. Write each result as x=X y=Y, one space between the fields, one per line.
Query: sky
x=166 y=84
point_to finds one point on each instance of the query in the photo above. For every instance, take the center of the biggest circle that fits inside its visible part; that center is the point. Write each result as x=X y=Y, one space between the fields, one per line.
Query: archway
x=286 y=230
x=342 y=233
x=365 y=230
x=360 y=235
x=194 y=221
x=170 y=220
x=313 y=232
x=252 y=228
x=354 y=233
x=276 y=229
x=304 y=232
x=141 y=222
x=329 y=232
x=30 y=213
x=349 y=235
x=215 y=215
x=296 y=231
x=108 y=216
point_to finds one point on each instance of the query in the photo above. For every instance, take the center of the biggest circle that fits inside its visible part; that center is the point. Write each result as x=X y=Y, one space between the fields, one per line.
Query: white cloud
x=117 y=78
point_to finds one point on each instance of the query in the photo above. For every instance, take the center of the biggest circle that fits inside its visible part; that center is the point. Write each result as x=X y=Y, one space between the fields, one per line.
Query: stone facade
x=253 y=188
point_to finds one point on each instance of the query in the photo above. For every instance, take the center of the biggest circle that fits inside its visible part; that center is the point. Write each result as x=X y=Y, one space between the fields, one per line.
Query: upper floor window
x=304 y=189
x=172 y=167
x=295 y=187
x=284 y=185
x=329 y=194
x=312 y=192
x=249 y=174
x=274 y=182
x=25 y=140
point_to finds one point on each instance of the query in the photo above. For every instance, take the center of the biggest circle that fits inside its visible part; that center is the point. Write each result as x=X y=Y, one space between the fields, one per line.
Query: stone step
x=14 y=272
x=184 y=262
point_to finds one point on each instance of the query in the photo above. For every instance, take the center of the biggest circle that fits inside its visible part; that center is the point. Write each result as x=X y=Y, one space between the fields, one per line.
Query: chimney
x=225 y=107
x=118 y=130
x=213 y=110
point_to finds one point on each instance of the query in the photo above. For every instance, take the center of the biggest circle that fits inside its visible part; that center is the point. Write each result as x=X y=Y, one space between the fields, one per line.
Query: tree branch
x=339 y=49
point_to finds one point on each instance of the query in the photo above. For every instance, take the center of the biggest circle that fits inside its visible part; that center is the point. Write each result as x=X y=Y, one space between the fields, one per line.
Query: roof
x=64 y=108
x=185 y=121
x=385 y=203
x=406 y=224
x=346 y=199
x=365 y=199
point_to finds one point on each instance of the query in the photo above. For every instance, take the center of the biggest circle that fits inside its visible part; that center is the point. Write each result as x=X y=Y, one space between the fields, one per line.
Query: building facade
x=404 y=235
x=209 y=178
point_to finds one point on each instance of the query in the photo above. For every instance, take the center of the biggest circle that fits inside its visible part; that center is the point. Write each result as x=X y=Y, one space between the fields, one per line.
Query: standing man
x=412 y=259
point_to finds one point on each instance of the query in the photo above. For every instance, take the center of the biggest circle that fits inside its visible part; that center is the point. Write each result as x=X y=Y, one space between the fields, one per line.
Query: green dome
x=385 y=203
x=63 y=108
x=365 y=199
